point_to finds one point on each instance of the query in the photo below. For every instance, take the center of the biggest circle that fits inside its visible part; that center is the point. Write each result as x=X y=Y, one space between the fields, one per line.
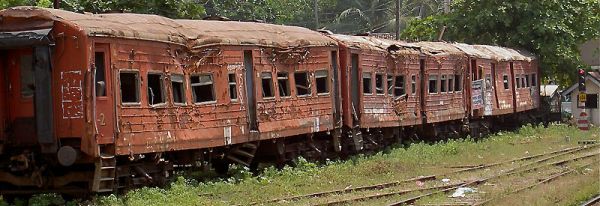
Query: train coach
x=104 y=102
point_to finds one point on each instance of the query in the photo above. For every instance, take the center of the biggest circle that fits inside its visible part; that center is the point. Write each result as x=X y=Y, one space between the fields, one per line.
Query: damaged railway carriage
x=499 y=76
x=379 y=90
x=103 y=102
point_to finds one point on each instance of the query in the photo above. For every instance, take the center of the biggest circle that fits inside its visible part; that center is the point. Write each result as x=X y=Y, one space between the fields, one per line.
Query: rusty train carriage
x=105 y=102
x=444 y=100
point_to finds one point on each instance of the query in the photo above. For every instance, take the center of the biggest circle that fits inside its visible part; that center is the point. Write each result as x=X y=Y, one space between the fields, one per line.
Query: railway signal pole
x=582 y=121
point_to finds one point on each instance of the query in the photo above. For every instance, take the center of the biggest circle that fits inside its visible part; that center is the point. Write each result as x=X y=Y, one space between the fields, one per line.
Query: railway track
x=391 y=189
x=593 y=201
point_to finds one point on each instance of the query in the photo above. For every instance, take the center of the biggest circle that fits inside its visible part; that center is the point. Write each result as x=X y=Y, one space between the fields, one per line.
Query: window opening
x=100 y=74
x=399 y=86
x=178 y=89
x=321 y=79
x=367 y=83
x=379 y=84
x=232 y=86
x=284 y=84
x=129 y=82
x=534 y=80
x=26 y=72
x=443 y=83
x=458 y=82
x=302 y=84
x=527 y=80
x=202 y=88
x=155 y=89
x=433 y=81
x=267 y=85
x=505 y=81
x=523 y=81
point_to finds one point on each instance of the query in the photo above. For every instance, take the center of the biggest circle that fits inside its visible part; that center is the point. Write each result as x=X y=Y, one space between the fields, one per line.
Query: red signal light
x=581 y=72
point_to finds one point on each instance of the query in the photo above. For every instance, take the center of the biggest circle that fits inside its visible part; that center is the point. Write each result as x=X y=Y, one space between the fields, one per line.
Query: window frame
x=458 y=81
x=505 y=81
x=450 y=80
x=138 y=85
x=327 y=87
x=289 y=88
x=381 y=75
x=213 y=86
x=429 y=80
x=234 y=84
x=271 y=85
x=308 y=86
x=183 y=89
x=370 y=77
x=162 y=87
x=443 y=84
x=534 y=82
x=402 y=87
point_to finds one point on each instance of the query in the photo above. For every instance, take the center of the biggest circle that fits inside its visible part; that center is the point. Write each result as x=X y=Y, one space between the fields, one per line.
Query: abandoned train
x=102 y=102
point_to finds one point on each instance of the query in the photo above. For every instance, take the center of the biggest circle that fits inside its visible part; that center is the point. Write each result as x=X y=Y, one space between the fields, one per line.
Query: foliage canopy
x=551 y=29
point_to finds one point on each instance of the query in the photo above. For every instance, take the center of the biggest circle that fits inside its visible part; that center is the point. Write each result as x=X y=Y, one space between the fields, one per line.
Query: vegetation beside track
x=416 y=159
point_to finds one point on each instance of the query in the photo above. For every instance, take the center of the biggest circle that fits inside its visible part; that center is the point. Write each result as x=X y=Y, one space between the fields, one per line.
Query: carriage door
x=250 y=95
x=105 y=104
x=21 y=89
x=354 y=92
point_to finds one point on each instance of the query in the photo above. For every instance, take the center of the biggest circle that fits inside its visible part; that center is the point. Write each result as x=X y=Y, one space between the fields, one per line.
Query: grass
x=396 y=164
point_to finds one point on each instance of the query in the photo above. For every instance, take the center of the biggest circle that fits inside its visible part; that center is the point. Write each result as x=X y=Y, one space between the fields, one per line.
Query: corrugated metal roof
x=193 y=33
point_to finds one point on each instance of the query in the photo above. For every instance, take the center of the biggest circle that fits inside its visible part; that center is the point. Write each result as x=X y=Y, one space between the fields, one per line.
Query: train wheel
x=221 y=166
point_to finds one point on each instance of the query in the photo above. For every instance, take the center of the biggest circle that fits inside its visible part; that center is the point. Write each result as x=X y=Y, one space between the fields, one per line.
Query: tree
x=551 y=29
x=11 y=3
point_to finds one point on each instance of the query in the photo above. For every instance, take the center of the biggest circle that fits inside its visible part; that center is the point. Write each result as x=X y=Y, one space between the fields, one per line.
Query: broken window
x=413 y=84
x=129 y=82
x=433 y=81
x=443 y=83
x=27 y=81
x=302 y=84
x=523 y=81
x=284 y=84
x=527 y=80
x=379 y=84
x=458 y=82
x=155 y=89
x=367 y=83
x=178 y=89
x=450 y=83
x=100 y=76
x=267 y=85
x=399 y=86
x=232 y=86
x=533 y=80
x=321 y=79
x=390 y=85
x=202 y=88
x=505 y=81
x=518 y=81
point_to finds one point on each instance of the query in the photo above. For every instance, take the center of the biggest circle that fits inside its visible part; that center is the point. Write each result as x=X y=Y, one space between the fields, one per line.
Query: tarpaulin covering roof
x=193 y=33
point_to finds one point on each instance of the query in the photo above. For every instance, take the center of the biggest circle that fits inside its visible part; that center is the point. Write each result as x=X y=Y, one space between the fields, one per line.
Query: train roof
x=192 y=33
x=438 y=48
x=505 y=54
x=375 y=44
